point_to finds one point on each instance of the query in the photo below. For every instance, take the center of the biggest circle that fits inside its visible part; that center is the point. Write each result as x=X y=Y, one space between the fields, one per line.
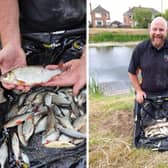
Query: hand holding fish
x=11 y=57
x=74 y=74
x=24 y=78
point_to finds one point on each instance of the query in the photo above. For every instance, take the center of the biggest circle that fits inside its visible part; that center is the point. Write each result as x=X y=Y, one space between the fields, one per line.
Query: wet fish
x=29 y=75
x=65 y=138
x=50 y=136
x=71 y=132
x=18 y=120
x=28 y=129
x=41 y=125
x=21 y=136
x=16 y=147
x=51 y=133
x=80 y=122
x=3 y=154
x=65 y=122
x=52 y=112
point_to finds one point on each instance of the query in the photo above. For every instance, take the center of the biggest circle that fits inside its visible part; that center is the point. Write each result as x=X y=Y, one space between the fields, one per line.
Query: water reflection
x=110 y=64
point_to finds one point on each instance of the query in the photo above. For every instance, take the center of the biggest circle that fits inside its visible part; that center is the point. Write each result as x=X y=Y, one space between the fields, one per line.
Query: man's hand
x=74 y=74
x=11 y=58
x=140 y=95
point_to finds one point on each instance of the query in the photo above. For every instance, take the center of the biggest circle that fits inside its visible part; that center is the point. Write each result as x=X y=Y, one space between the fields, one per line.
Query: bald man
x=151 y=58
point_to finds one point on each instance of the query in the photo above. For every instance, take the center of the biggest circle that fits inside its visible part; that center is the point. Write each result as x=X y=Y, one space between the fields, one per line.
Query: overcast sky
x=118 y=7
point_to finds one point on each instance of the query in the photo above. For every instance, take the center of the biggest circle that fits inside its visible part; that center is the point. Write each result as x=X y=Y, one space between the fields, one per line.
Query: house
x=128 y=16
x=100 y=17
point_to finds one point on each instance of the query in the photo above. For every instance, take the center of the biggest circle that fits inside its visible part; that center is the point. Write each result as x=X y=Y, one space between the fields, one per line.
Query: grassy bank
x=116 y=35
x=110 y=130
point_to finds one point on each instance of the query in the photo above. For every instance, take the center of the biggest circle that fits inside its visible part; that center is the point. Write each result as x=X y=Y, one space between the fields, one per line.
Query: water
x=110 y=65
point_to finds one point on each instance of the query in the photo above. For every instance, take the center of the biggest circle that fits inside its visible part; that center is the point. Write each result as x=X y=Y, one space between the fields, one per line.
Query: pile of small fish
x=54 y=113
x=157 y=130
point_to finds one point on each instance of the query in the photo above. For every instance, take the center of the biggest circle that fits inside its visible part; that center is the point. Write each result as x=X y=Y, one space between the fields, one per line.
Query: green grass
x=94 y=88
x=110 y=135
x=113 y=103
x=116 y=37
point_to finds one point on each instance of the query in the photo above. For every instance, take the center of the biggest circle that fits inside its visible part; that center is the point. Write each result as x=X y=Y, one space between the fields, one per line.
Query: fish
x=20 y=135
x=64 y=138
x=41 y=125
x=50 y=136
x=29 y=75
x=80 y=122
x=65 y=122
x=28 y=129
x=3 y=154
x=16 y=147
x=18 y=120
x=50 y=113
x=71 y=132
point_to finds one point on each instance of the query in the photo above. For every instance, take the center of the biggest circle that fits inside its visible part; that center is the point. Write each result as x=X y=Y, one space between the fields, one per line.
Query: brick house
x=100 y=17
x=128 y=16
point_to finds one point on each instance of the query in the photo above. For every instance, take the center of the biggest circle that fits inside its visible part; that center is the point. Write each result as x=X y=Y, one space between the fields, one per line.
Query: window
x=98 y=15
x=99 y=23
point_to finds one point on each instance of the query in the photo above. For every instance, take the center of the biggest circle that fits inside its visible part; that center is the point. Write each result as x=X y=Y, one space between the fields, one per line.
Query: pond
x=109 y=65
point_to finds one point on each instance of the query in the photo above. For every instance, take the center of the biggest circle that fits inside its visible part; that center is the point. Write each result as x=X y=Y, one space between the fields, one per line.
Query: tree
x=165 y=14
x=142 y=17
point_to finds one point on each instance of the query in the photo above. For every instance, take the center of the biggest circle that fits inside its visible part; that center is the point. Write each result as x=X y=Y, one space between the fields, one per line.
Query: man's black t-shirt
x=153 y=64
x=51 y=15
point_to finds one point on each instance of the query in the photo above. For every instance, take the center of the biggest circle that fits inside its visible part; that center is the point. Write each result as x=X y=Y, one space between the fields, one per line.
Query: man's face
x=158 y=33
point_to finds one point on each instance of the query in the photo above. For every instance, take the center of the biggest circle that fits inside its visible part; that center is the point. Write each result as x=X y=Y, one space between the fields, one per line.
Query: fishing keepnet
x=44 y=49
x=38 y=155
x=151 y=123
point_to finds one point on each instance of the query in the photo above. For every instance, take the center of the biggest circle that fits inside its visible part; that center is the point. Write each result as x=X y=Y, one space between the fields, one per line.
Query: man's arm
x=140 y=94
x=12 y=55
x=9 y=22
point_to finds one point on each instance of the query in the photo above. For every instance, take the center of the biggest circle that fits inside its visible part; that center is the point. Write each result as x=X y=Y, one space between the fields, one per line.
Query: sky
x=118 y=7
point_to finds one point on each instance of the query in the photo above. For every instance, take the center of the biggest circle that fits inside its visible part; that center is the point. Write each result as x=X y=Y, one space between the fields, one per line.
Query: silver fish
x=28 y=129
x=21 y=136
x=41 y=125
x=3 y=154
x=50 y=136
x=80 y=122
x=65 y=122
x=16 y=147
x=71 y=132
x=29 y=75
x=18 y=120
x=64 y=138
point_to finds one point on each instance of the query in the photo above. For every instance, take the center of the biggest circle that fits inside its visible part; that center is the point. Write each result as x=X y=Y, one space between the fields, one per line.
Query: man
x=18 y=17
x=151 y=58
